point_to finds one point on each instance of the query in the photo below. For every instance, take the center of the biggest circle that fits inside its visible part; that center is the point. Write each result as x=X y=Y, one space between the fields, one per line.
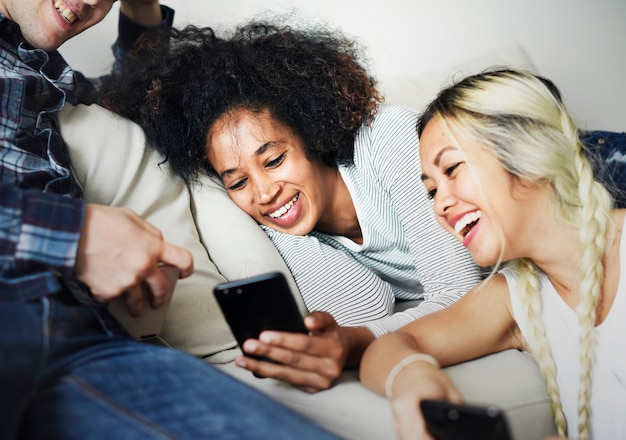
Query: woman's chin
x=291 y=228
x=485 y=260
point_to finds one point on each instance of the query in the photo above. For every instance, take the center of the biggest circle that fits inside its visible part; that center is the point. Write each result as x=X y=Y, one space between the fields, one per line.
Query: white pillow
x=416 y=91
x=113 y=163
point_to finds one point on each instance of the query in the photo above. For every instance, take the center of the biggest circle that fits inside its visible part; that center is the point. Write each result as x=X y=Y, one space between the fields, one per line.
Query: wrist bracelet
x=402 y=364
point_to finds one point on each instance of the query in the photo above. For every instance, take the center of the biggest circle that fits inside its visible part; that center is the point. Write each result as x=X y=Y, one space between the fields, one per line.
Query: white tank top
x=608 y=399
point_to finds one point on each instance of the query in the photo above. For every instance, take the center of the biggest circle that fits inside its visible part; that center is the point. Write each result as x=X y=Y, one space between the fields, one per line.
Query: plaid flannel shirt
x=41 y=210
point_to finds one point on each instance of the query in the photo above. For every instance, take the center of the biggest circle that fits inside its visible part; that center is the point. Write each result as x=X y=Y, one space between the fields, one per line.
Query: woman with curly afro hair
x=292 y=124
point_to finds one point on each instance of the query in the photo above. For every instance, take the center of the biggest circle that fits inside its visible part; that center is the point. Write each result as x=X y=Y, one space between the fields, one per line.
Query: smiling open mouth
x=65 y=12
x=285 y=208
x=467 y=222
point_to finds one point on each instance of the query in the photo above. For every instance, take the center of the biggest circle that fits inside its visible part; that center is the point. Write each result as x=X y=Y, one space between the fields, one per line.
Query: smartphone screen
x=263 y=302
x=449 y=421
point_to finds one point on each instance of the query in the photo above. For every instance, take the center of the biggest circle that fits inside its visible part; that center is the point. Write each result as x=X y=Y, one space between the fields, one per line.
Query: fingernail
x=267 y=337
x=251 y=345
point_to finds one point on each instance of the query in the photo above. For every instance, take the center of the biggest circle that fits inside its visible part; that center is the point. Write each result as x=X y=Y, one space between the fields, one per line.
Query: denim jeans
x=69 y=371
x=607 y=151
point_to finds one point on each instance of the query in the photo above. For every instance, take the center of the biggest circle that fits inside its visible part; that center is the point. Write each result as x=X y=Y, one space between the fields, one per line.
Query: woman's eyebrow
x=437 y=159
x=263 y=148
x=259 y=151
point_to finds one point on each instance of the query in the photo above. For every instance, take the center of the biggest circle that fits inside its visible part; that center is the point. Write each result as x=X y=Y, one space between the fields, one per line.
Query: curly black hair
x=176 y=85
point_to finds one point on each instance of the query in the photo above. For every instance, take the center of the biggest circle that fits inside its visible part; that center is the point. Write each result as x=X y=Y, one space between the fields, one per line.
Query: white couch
x=114 y=165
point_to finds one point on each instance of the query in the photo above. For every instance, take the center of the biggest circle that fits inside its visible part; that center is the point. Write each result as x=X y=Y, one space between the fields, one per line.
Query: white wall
x=580 y=44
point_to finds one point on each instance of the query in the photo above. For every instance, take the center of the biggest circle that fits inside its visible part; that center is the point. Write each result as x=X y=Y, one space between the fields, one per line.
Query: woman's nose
x=266 y=191
x=444 y=200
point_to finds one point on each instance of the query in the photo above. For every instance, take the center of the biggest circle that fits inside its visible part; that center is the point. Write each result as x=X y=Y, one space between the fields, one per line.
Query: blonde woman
x=502 y=161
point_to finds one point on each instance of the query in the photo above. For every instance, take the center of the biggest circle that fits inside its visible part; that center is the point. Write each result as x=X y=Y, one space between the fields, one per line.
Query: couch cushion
x=114 y=165
x=236 y=244
x=509 y=380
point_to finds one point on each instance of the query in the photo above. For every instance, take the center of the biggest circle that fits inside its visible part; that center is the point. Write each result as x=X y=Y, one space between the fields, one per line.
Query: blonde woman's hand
x=414 y=383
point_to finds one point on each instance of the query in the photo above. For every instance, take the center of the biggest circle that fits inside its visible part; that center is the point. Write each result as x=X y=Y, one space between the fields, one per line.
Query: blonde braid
x=527 y=288
x=595 y=205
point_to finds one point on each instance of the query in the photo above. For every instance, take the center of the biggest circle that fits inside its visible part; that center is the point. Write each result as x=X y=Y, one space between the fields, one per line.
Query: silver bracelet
x=402 y=364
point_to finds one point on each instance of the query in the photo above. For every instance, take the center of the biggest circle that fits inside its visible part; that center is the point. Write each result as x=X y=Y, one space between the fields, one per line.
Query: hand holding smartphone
x=449 y=421
x=260 y=303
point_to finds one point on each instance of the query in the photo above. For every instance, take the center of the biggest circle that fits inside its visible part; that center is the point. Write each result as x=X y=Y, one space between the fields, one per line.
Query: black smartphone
x=449 y=421
x=263 y=302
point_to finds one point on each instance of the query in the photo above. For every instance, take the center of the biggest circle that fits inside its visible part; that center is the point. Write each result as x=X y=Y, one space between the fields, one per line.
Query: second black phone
x=259 y=303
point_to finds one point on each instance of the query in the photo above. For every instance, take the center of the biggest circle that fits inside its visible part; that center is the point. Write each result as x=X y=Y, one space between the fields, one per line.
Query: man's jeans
x=68 y=371
x=607 y=150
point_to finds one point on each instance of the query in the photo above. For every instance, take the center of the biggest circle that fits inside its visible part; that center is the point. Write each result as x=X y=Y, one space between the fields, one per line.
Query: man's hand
x=119 y=253
x=311 y=363
x=144 y=12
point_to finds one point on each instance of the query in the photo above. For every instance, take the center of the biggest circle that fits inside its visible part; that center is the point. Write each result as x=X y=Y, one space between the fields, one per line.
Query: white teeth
x=282 y=210
x=466 y=220
x=66 y=13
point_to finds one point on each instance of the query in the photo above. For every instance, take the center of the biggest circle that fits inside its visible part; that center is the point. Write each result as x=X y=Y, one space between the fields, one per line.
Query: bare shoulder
x=614 y=239
x=612 y=265
x=493 y=295
x=618 y=219
x=487 y=304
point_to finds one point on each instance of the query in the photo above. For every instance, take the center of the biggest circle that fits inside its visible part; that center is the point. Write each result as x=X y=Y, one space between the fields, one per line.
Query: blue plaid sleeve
x=39 y=234
x=607 y=151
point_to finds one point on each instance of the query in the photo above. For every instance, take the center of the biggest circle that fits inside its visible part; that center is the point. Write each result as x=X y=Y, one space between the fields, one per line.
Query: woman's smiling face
x=475 y=199
x=266 y=172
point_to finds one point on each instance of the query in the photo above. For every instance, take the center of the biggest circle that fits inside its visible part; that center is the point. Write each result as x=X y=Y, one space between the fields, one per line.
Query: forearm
x=132 y=27
x=359 y=338
x=478 y=324
x=381 y=356
x=145 y=13
x=129 y=31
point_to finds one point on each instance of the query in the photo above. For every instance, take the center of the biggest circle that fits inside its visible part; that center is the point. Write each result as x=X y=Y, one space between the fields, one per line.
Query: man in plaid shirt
x=41 y=211
x=67 y=368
